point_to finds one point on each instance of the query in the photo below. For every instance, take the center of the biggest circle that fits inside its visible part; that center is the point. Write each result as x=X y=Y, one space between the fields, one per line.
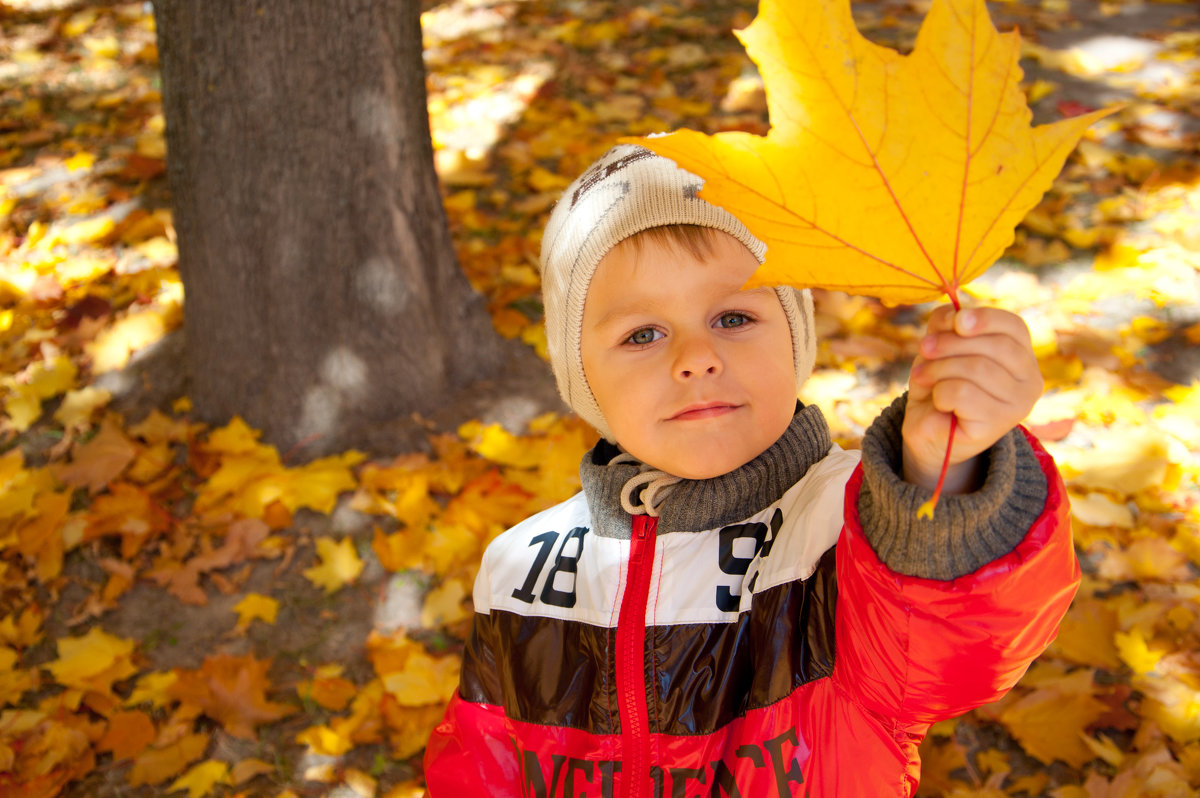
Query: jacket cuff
x=968 y=530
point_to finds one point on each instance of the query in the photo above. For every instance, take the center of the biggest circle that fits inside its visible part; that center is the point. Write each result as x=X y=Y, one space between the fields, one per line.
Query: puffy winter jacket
x=767 y=652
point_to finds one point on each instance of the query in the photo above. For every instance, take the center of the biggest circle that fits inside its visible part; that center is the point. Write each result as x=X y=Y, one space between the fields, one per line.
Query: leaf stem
x=926 y=509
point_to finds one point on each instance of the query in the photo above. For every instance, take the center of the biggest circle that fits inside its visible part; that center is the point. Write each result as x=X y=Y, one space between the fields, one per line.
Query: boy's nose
x=696 y=356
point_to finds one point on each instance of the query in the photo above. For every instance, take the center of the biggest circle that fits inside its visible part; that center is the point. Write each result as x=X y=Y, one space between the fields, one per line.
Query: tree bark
x=322 y=291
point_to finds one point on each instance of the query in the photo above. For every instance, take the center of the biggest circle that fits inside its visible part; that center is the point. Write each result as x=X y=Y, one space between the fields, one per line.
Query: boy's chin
x=702 y=467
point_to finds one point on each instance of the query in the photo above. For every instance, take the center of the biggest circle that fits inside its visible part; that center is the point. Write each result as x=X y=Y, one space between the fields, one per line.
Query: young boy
x=733 y=605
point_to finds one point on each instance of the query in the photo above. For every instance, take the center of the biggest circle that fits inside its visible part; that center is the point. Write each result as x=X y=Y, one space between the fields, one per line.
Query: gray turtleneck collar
x=694 y=505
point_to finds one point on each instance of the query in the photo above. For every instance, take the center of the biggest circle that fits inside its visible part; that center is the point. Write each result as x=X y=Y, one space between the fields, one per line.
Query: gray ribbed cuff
x=968 y=530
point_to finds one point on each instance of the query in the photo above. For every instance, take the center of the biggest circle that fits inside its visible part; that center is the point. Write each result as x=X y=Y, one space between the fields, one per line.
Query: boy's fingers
x=1017 y=360
x=984 y=373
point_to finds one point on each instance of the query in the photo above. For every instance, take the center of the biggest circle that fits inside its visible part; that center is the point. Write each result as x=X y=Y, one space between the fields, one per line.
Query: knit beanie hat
x=631 y=189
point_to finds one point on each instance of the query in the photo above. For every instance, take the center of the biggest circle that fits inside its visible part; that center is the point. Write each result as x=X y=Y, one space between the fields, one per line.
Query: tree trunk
x=322 y=291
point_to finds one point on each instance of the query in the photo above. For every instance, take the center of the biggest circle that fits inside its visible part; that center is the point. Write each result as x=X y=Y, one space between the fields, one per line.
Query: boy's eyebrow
x=616 y=314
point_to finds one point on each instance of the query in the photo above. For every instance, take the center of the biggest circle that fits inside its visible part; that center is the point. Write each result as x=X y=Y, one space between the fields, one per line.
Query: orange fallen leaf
x=232 y=691
x=100 y=460
x=248 y=769
x=128 y=734
x=328 y=688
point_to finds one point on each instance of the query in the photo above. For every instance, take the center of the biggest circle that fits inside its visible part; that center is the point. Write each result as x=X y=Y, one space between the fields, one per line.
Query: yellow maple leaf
x=1135 y=651
x=14 y=681
x=325 y=741
x=78 y=406
x=424 y=680
x=1173 y=704
x=41 y=380
x=340 y=564
x=1047 y=721
x=900 y=177
x=200 y=779
x=159 y=763
x=444 y=604
x=255 y=606
x=93 y=661
x=153 y=688
x=318 y=484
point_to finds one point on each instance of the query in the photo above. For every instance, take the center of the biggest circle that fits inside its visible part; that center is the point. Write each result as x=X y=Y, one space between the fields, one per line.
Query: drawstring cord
x=654 y=485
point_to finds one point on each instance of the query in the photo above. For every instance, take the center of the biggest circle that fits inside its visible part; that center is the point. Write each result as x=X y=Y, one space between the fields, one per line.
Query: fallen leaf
x=232 y=691
x=93 y=661
x=157 y=764
x=101 y=460
x=202 y=778
x=255 y=606
x=340 y=564
x=128 y=734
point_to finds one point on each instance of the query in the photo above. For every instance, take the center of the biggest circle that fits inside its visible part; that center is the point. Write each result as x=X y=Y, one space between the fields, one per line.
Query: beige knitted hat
x=628 y=190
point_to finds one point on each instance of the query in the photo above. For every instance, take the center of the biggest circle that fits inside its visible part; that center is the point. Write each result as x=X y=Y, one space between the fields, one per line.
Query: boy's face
x=694 y=375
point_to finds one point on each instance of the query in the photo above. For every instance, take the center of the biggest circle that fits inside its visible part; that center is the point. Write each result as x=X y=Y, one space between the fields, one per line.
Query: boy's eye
x=733 y=320
x=647 y=335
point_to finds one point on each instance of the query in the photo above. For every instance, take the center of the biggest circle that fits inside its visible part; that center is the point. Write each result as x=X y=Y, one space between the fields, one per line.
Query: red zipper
x=631 y=662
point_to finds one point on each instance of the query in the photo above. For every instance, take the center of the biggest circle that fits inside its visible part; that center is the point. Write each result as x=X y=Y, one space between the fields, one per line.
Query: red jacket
x=799 y=664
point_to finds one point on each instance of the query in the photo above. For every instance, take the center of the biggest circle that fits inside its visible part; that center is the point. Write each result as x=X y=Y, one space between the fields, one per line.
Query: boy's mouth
x=703 y=410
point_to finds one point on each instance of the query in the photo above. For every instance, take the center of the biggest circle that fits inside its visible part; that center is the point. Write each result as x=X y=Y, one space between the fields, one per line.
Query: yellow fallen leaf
x=80 y=160
x=1171 y=703
x=113 y=347
x=157 y=764
x=340 y=564
x=498 y=445
x=325 y=741
x=1123 y=460
x=1136 y=652
x=444 y=604
x=1097 y=509
x=96 y=657
x=424 y=680
x=202 y=778
x=1047 y=721
x=78 y=407
x=255 y=606
x=39 y=381
x=1086 y=635
x=152 y=688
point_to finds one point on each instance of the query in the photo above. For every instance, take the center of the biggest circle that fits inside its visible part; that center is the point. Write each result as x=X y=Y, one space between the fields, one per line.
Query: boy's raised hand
x=977 y=364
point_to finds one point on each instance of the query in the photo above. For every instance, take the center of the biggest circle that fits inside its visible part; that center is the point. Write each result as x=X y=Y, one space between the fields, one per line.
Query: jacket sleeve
x=471 y=752
x=918 y=647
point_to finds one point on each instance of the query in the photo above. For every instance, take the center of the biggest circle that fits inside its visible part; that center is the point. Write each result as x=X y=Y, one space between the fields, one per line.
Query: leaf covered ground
x=185 y=609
